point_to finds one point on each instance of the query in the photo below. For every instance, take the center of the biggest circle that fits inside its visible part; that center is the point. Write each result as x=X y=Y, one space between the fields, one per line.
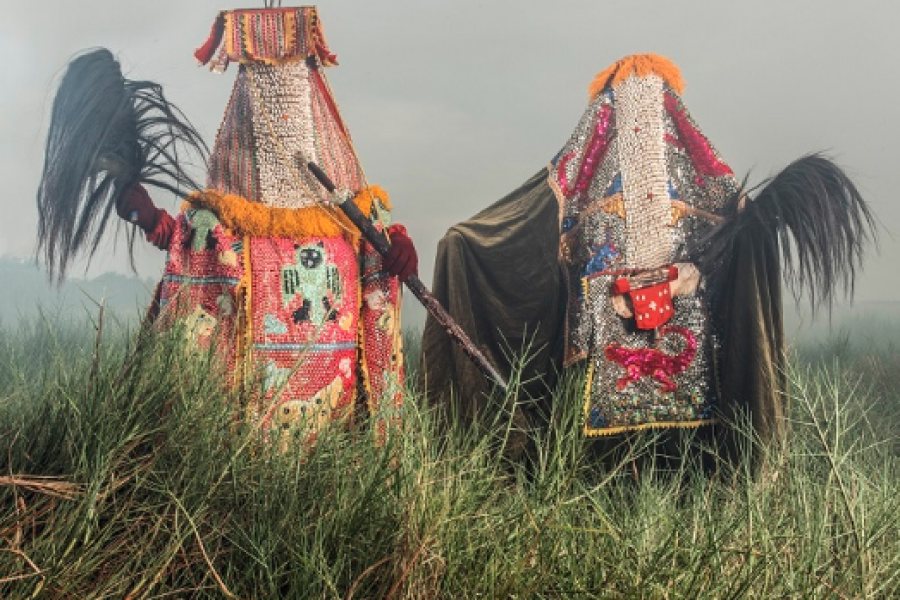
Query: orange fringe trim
x=252 y=219
x=640 y=65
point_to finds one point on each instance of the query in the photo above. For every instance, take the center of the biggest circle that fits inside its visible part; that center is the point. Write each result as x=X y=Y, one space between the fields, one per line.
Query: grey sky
x=453 y=104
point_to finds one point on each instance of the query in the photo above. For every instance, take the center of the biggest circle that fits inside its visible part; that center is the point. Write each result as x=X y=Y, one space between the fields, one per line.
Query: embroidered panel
x=298 y=319
x=304 y=318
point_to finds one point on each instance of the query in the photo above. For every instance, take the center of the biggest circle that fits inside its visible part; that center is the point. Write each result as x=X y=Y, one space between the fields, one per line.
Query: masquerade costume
x=638 y=253
x=260 y=266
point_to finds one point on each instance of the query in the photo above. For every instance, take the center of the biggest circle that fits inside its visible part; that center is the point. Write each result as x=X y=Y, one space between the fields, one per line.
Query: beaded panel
x=199 y=285
x=304 y=315
x=382 y=343
x=642 y=160
x=656 y=378
x=299 y=319
x=285 y=133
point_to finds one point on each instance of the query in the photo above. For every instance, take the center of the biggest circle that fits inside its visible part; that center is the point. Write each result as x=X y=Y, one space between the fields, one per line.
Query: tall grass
x=124 y=473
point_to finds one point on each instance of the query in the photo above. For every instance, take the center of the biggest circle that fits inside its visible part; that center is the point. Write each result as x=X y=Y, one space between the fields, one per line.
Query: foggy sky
x=453 y=104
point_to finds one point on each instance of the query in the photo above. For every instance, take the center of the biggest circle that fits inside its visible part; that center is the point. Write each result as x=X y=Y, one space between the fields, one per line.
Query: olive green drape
x=498 y=274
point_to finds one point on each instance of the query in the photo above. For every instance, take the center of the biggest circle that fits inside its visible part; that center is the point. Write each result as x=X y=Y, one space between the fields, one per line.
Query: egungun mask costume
x=638 y=253
x=260 y=266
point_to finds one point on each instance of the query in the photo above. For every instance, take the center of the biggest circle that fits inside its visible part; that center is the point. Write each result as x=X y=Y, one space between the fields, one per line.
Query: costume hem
x=644 y=426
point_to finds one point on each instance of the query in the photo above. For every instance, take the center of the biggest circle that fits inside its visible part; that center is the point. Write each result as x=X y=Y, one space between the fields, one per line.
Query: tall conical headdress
x=637 y=155
x=635 y=150
x=281 y=113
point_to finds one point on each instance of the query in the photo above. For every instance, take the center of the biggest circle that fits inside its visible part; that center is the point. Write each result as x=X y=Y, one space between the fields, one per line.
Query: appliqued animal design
x=202 y=223
x=305 y=417
x=315 y=281
x=653 y=362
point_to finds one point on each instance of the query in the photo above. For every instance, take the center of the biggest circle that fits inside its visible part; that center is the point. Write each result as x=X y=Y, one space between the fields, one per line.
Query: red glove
x=401 y=260
x=137 y=207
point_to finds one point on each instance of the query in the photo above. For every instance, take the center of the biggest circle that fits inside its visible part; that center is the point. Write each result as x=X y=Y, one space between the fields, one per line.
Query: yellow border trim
x=644 y=426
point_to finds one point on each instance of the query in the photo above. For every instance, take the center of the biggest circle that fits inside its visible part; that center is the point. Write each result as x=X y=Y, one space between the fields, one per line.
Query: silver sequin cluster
x=642 y=161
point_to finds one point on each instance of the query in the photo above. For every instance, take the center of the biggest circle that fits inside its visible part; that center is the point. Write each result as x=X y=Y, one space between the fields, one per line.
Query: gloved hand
x=137 y=207
x=401 y=260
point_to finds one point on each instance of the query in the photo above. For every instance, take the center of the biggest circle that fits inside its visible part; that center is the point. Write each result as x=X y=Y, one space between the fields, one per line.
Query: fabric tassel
x=205 y=52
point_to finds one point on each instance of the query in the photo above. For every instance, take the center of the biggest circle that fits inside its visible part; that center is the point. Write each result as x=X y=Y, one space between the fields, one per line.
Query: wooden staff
x=381 y=244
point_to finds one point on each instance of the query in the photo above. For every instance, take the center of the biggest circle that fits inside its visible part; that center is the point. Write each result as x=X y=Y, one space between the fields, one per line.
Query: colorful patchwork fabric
x=262 y=266
x=639 y=185
x=311 y=321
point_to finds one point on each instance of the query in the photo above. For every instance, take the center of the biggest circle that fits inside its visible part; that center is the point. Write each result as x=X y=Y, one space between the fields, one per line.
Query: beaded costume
x=638 y=185
x=259 y=264
x=261 y=268
x=638 y=254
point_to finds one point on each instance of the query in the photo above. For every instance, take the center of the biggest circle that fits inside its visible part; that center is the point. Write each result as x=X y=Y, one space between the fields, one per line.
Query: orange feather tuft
x=640 y=65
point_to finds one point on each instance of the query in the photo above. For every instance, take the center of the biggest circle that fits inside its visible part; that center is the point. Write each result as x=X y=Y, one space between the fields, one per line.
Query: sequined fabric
x=632 y=181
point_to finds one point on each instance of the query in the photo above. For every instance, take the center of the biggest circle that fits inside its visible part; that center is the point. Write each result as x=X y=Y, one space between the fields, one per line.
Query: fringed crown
x=640 y=65
x=266 y=35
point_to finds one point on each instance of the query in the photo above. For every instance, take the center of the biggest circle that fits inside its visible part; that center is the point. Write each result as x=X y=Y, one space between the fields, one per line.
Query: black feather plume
x=817 y=221
x=106 y=133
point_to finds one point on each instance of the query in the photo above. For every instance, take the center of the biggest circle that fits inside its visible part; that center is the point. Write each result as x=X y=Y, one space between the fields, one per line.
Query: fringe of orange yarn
x=640 y=65
x=252 y=219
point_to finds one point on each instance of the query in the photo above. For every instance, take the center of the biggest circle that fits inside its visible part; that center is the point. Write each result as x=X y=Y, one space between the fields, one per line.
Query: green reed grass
x=127 y=472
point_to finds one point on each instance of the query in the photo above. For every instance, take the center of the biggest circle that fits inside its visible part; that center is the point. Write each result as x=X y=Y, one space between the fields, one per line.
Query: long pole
x=381 y=244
